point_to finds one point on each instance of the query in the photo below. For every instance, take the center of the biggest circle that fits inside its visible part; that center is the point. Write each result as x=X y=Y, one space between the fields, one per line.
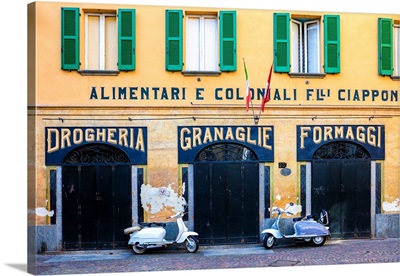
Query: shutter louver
x=385 y=46
x=70 y=38
x=173 y=43
x=228 y=41
x=332 y=43
x=126 y=39
x=281 y=42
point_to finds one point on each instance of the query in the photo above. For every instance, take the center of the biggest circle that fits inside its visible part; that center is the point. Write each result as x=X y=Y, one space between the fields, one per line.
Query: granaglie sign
x=192 y=139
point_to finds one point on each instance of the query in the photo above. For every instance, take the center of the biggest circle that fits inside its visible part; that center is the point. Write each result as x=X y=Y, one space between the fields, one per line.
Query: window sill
x=308 y=75
x=202 y=73
x=98 y=72
x=395 y=78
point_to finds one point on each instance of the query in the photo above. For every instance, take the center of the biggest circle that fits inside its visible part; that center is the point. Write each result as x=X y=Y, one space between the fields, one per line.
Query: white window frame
x=396 y=46
x=102 y=46
x=200 y=65
x=300 y=46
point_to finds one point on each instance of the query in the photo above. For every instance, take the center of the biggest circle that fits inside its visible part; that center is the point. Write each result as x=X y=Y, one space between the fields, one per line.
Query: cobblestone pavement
x=334 y=252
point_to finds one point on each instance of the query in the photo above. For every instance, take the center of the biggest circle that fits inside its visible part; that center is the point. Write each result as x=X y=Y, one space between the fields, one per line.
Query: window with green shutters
x=70 y=38
x=174 y=40
x=126 y=39
x=296 y=44
x=385 y=46
x=332 y=43
x=173 y=43
x=103 y=54
x=281 y=42
x=228 y=40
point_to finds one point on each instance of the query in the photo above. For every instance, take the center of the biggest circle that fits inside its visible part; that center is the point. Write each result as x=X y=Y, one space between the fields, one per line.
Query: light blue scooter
x=306 y=229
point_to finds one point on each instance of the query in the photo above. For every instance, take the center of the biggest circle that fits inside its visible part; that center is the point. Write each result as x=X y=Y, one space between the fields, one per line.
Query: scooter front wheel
x=269 y=241
x=138 y=249
x=318 y=241
x=191 y=244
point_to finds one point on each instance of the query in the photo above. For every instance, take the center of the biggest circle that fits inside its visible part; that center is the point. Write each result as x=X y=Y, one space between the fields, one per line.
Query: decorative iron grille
x=341 y=150
x=96 y=154
x=226 y=152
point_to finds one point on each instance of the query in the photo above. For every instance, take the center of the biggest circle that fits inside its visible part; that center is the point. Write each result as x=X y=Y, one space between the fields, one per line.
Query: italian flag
x=248 y=93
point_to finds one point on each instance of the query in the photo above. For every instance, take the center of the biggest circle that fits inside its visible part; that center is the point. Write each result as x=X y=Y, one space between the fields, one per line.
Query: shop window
x=210 y=41
x=109 y=44
x=297 y=46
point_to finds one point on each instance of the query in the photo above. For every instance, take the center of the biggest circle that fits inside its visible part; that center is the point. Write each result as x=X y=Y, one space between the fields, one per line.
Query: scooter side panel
x=274 y=232
x=310 y=228
x=185 y=235
x=148 y=235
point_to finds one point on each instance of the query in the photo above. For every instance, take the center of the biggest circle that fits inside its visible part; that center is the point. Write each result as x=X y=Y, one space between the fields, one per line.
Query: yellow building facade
x=135 y=112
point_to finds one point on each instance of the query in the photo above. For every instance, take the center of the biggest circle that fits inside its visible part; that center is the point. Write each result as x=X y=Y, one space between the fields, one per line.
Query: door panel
x=226 y=202
x=342 y=187
x=218 y=203
x=104 y=206
x=96 y=206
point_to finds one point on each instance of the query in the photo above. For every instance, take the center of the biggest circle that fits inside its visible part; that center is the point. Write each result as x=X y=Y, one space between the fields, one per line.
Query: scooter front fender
x=185 y=235
x=273 y=232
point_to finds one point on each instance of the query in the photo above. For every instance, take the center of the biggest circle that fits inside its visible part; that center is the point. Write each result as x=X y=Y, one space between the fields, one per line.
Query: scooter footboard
x=185 y=235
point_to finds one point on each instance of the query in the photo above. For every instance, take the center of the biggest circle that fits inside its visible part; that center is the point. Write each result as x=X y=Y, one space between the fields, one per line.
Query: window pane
x=193 y=43
x=111 y=44
x=296 y=47
x=201 y=43
x=312 y=47
x=93 y=42
x=396 y=35
x=210 y=44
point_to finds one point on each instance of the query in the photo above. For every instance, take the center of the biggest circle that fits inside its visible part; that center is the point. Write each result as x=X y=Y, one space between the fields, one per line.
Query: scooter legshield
x=273 y=232
x=185 y=235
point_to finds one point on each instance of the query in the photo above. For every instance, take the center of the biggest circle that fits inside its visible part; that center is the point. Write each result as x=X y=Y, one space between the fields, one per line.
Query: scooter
x=309 y=228
x=154 y=236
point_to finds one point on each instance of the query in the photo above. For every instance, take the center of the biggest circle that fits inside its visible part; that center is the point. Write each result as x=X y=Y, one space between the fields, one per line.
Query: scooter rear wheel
x=191 y=244
x=138 y=249
x=269 y=241
x=318 y=241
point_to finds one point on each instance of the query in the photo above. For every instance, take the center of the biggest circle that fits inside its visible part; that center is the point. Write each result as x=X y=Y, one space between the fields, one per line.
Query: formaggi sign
x=311 y=137
x=61 y=140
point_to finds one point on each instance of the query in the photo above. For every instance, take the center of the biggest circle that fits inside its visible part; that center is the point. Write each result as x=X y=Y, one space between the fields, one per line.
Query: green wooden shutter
x=281 y=42
x=332 y=43
x=227 y=41
x=173 y=40
x=70 y=38
x=126 y=39
x=385 y=46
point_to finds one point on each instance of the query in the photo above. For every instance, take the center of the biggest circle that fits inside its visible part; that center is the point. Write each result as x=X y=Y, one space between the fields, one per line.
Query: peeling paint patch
x=42 y=212
x=293 y=209
x=155 y=199
x=278 y=197
x=391 y=207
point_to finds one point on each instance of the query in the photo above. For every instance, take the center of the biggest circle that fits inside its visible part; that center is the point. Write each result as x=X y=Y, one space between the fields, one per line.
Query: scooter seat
x=131 y=229
x=153 y=224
